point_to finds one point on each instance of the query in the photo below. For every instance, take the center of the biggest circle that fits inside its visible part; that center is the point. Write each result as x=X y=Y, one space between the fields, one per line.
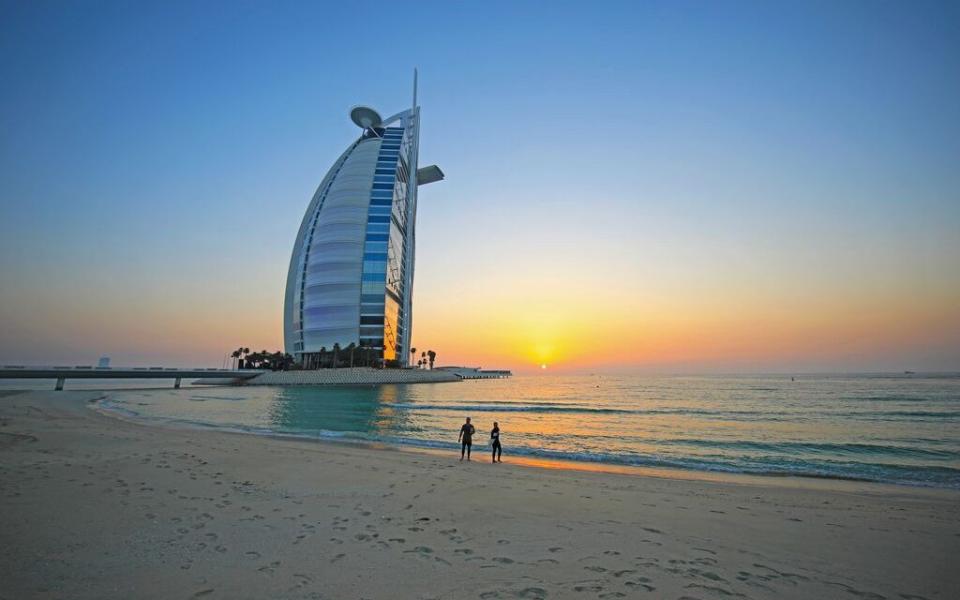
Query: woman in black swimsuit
x=495 y=442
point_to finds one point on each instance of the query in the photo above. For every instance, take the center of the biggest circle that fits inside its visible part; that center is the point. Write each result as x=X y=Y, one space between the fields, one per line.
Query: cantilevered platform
x=61 y=374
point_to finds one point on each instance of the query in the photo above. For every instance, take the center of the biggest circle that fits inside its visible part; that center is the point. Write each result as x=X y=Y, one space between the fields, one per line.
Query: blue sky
x=156 y=160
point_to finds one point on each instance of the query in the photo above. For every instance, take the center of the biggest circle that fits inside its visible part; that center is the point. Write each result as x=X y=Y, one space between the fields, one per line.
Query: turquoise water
x=879 y=428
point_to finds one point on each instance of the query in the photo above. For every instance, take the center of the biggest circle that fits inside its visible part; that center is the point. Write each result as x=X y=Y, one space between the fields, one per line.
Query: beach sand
x=97 y=507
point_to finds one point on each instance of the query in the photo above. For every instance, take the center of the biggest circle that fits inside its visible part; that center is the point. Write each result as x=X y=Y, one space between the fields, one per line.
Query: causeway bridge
x=61 y=374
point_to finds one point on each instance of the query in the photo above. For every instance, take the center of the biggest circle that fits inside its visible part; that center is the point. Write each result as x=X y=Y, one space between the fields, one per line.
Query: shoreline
x=94 y=506
x=788 y=479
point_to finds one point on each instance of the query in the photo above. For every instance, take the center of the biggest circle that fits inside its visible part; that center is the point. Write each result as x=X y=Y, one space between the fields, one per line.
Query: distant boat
x=909 y=373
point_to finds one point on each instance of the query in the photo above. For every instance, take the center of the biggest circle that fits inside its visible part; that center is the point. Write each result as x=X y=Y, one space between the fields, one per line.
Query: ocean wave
x=511 y=407
x=926 y=414
x=815 y=448
x=492 y=406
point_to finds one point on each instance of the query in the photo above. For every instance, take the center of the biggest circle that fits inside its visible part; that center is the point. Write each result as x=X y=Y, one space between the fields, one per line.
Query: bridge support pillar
x=60 y=382
x=176 y=384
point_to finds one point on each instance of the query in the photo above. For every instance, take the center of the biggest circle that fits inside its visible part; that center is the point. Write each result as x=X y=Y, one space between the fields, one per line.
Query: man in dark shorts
x=466 y=438
x=495 y=442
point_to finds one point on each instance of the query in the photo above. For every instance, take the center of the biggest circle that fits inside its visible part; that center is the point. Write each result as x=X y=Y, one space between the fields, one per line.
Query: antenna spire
x=414 y=89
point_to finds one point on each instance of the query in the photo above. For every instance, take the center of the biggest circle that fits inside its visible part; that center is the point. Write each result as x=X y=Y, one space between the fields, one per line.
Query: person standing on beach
x=495 y=442
x=466 y=438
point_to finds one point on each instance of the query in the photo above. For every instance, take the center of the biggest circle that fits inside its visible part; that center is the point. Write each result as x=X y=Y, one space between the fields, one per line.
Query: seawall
x=355 y=376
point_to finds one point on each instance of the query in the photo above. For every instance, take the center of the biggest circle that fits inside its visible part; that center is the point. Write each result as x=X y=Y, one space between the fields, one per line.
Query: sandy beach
x=93 y=506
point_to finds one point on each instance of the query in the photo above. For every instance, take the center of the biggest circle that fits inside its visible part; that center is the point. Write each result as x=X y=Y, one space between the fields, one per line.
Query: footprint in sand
x=503 y=560
x=715 y=589
x=651 y=530
x=252 y=554
x=640 y=582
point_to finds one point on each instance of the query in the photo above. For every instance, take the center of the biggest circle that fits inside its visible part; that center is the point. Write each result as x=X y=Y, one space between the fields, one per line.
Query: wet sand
x=97 y=507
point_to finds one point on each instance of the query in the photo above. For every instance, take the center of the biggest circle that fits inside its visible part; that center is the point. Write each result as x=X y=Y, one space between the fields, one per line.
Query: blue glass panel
x=378 y=219
x=371 y=320
x=383 y=186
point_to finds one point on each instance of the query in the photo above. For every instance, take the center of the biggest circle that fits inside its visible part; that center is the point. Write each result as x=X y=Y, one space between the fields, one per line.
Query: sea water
x=895 y=429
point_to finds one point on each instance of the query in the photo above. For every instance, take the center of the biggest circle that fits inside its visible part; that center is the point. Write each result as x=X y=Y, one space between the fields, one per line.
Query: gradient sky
x=640 y=186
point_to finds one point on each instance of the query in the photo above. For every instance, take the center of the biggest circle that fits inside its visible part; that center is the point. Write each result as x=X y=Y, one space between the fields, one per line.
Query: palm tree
x=336 y=354
x=413 y=354
x=351 y=348
x=323 y=351
x=433 y=357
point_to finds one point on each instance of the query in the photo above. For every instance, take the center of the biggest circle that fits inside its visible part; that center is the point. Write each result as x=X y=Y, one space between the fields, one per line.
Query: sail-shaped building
x=350 y=279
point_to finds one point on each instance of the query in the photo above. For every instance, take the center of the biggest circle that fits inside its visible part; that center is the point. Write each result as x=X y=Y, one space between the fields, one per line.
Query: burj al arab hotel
x=351 y=273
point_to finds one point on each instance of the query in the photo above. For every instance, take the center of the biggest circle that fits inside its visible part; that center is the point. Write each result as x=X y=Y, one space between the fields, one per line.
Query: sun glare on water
x=543 y=366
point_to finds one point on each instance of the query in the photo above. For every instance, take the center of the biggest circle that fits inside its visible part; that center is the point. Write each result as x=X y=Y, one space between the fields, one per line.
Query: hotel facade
x=350 y=279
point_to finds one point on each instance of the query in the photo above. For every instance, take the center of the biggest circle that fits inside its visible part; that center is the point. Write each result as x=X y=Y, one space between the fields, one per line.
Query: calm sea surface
x=880 y=428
